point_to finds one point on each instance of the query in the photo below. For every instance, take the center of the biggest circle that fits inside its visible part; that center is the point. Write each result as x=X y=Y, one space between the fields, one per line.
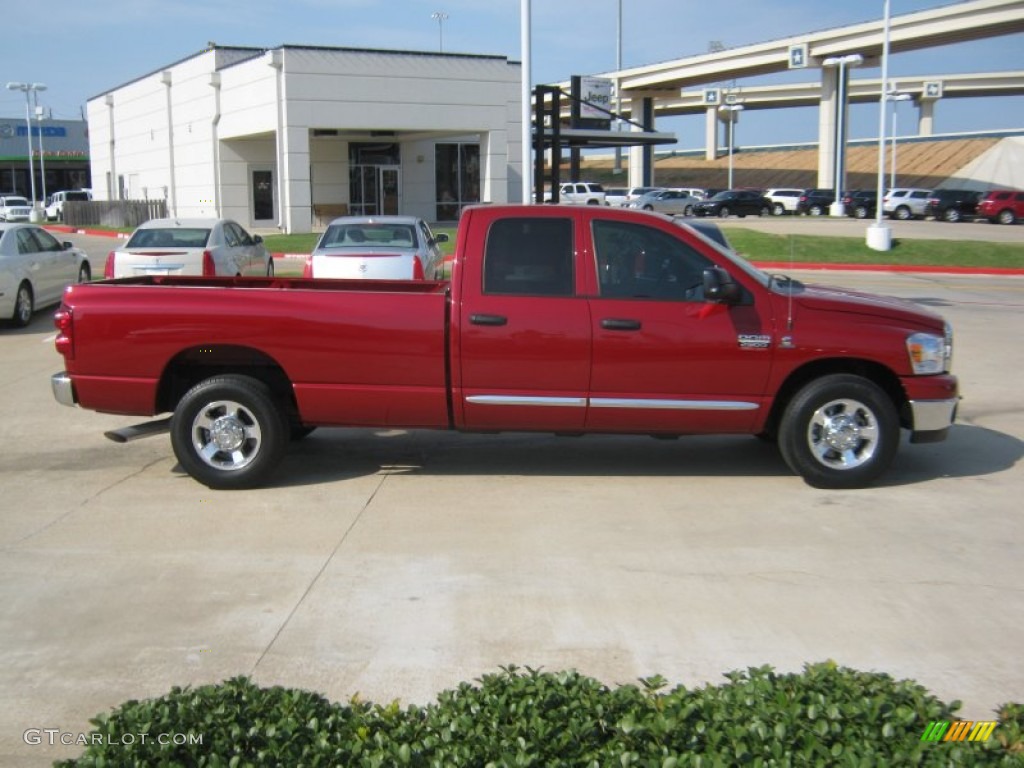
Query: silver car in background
x=666 y=201
x=208 y=247
x=377 y=248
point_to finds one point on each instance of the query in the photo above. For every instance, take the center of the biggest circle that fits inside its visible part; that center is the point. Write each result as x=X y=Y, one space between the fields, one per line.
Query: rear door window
x=529 y=256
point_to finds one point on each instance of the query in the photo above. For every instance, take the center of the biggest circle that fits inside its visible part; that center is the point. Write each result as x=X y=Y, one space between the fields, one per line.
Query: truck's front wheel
x=228 y=432
x=839 y=431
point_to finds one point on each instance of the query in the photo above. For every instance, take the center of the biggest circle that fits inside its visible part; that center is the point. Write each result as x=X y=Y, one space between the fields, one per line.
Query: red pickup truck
x=564 y=319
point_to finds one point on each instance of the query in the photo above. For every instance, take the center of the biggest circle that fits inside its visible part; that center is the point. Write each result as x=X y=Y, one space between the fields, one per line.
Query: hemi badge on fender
x=754 y=341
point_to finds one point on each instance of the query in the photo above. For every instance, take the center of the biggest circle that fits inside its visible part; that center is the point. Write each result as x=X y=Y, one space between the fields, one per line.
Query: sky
x=81 y=49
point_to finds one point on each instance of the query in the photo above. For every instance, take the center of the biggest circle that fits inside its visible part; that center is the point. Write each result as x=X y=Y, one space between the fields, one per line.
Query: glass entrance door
x=262 y=191
x=390 y=190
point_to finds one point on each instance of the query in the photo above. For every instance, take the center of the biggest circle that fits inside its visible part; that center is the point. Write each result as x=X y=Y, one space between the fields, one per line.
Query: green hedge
x=825 y=716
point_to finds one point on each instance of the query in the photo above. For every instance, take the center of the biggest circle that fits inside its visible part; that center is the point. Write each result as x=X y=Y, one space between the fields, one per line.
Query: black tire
x=84 y=273
x=816 y=210
x=839 y=431
x=648 y=207
x=724 y=212
x=861 y=212
x=24 y=305
x=765 y=212
x=778 y=209
x=951 y=215
x=688 y=210
x=903 y=213
x=229 y=433
x=1006 y=217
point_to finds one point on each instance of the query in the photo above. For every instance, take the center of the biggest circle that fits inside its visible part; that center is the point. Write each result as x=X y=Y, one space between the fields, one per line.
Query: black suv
x=815 y=202
x=860 y=203
x=738 y=201
x=952 y=204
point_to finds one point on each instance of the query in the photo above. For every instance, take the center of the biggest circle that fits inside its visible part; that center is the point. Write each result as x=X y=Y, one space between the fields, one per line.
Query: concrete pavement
x=395 y=565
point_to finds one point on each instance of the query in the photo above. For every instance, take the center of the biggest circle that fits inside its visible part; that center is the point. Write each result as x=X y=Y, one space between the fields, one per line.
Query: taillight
x=307 y=268
x=64 y=324
x=417 y=268
x=108 y=267
x=209 y=268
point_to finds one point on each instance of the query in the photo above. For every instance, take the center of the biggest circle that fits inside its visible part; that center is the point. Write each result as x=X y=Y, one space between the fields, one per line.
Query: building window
x=457 y=178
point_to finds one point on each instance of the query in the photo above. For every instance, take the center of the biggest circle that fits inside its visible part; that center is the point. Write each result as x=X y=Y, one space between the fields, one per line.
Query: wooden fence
x=119 y=214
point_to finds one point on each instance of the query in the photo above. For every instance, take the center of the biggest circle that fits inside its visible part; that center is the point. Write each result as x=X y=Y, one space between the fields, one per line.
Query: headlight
x=930 y=353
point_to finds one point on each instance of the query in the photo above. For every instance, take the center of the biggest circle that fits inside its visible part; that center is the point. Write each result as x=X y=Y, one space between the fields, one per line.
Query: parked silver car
x=190 y=247
x=377 y=247
x=666 y=201
x=35 y=268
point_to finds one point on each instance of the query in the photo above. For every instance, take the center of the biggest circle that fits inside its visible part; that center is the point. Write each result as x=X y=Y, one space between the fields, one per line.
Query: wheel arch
x=196 y=364
x=867 y=369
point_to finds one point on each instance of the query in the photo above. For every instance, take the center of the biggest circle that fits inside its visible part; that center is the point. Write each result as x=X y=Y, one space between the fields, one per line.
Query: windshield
x=12 y=201
x=364 y=235
x=176 y=237
x=723 y=195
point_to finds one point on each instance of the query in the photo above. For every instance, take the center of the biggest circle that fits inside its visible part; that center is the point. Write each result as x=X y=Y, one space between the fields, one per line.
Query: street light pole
x=28 y=88
x=40 y=114
x=879 y=236
x=440 y=17
x=894 y=97
x=730 y=111
x=842 y=62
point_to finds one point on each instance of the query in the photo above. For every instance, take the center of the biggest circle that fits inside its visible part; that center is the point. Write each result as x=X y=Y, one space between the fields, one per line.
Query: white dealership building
x=289 y=137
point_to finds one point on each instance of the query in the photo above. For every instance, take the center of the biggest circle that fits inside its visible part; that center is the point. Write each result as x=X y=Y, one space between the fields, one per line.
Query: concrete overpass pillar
x=711 y=134
x=926 y=117
x=827 y=116
x=641 y=159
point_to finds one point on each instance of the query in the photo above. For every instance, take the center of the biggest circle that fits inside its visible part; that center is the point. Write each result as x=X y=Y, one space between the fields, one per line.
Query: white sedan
x=35 y=268
x=377 y=247
x=205 y=247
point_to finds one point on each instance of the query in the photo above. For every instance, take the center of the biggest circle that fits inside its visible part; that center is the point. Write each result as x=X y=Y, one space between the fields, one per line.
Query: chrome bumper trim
x=933 y=415
x=63 y=389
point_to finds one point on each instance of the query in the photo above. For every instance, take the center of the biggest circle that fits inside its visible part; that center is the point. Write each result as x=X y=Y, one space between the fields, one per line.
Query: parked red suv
x=1003 y=205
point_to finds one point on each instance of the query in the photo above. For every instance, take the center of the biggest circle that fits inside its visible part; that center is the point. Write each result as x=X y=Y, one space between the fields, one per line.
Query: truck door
x=522 y=332
x=664 y=359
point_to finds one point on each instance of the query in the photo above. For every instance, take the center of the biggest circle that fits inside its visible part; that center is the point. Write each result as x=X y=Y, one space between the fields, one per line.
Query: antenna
x=789 y=293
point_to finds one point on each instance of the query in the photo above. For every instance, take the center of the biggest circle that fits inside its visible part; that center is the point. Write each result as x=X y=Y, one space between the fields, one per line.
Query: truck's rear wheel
x=228 y=432
x=839 y=431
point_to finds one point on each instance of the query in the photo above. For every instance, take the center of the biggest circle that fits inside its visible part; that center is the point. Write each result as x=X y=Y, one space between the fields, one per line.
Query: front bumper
x=932 y=419
x=63 y=389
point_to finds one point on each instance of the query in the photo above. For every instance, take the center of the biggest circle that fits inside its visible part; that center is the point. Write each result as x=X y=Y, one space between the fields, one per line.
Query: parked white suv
x=784 y=200
x=579 y=193
x=14 y=208
x=55 y=202
x=906 y=203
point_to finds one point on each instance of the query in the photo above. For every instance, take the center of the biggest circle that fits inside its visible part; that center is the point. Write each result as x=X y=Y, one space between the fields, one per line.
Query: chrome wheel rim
x=23 y=305
x=843 y=434
x=226 y=435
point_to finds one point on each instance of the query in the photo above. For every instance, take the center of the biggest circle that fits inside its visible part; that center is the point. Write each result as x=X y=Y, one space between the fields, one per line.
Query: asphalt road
x=395 y=565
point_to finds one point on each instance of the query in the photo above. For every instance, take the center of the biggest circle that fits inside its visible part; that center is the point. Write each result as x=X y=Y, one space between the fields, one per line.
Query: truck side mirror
x=441 y=237
x=720 y=287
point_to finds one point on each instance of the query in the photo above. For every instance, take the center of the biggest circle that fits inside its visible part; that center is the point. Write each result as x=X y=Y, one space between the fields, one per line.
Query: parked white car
x=55 y=202
x=906 y=203
x=377 y=248
x=14 y=208
x=35 y=268
x=623 y=196
x=783 y=199
x=579 y=193
x=190 y=247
